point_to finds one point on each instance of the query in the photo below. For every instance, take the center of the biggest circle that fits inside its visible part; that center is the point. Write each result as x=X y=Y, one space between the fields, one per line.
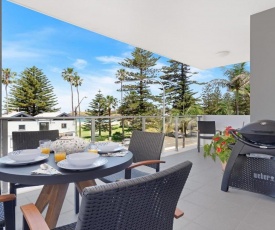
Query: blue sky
x=32 y=39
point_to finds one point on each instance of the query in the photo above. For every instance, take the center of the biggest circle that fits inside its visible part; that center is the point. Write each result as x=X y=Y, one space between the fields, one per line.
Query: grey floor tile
x=206 y=207
x=216 y=221
x=244 y=226
x=260 y=220
x=194 y=226
x=191 y=211
x=181 y=223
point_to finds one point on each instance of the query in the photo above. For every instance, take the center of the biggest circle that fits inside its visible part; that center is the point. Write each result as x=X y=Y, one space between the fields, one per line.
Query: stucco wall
x=262 y=58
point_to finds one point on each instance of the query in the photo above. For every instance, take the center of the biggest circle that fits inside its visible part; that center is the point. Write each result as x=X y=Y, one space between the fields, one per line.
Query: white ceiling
x=195 y=32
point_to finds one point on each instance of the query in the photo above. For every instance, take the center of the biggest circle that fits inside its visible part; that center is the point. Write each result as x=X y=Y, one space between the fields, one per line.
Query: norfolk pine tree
x=176 y=80
x=139 y=69
x=33 y=93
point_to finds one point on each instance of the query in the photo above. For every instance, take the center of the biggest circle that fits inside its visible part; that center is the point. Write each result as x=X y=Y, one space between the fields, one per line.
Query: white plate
x=111 y=150
x=66 y=165
x=7 y=161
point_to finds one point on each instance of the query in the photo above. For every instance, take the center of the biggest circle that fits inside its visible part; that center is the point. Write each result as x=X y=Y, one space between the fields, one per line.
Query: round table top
x=22 y=174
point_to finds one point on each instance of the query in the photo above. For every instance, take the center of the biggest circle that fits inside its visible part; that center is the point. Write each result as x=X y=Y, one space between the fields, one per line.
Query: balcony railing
x=176 y=128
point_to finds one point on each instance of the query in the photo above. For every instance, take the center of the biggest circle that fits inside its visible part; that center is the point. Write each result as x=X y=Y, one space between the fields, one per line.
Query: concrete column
x=262 y=60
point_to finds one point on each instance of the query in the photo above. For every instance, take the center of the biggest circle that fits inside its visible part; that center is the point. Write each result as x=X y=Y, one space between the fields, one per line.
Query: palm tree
x=77 y=81
x=238 y=78
x=121 y=76
x=7 y=77
x=68 y=75
x=237 y=82
x=111 y=102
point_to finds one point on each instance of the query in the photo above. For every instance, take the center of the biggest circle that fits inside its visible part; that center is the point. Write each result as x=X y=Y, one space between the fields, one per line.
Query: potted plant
x=220 y=146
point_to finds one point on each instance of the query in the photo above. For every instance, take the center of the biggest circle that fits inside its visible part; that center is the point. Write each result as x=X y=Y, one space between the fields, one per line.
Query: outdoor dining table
x=56 y=186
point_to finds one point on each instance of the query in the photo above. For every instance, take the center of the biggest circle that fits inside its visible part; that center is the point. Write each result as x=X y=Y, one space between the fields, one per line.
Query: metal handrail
x=4 y=125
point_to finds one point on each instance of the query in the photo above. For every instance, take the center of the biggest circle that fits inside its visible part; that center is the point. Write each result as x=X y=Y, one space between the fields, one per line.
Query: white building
x=46 y=121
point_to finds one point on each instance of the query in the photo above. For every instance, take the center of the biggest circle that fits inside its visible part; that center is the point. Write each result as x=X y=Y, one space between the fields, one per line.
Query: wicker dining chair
x=206 y=130
x=146 y=148
x=6 y=210
x=29 y=140
x=142 y=203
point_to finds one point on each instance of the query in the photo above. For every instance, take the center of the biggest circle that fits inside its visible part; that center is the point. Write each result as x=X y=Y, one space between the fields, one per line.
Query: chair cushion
x=121 y=175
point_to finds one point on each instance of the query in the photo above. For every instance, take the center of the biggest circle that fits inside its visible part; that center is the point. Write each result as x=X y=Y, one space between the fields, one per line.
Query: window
x=43 y=126
x=22 y=127
x=63 y=126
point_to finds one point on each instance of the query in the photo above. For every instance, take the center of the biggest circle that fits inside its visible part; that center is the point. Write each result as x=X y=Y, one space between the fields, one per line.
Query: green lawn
x=105 y=134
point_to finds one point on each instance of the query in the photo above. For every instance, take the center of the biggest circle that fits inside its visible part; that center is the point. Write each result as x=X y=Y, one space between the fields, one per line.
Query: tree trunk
x=237 y=102
x=7 y=99
x=79 y=128
x=72 y=97
x=110 y=126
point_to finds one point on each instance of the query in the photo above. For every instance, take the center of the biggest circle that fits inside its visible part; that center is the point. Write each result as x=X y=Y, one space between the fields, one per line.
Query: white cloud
x=202 y=75
x=17 y=52
x=80 y=63
x=159 y=65
x=56 y=70
x=109 y=59
x=40 y=34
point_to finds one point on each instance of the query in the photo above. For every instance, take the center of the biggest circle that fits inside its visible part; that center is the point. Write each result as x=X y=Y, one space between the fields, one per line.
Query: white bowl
x=24 y=155
x=109 y=147
x=82 y=159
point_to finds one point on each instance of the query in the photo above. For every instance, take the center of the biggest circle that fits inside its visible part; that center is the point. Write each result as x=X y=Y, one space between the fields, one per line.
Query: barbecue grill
x=251 y=165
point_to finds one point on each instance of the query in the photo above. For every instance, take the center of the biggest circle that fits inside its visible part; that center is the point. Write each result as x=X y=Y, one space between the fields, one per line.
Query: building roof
x=200 y=33
x=16 y=114
x=52 y=114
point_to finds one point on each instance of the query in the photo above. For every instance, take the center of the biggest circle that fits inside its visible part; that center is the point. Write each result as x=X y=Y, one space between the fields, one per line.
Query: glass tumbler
x=45 y=146
x=59 y=154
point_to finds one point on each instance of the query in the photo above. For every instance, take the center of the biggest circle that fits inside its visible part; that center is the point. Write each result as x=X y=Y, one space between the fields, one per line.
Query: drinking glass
x=92 y=148
x=59 y=154
x=45 y=146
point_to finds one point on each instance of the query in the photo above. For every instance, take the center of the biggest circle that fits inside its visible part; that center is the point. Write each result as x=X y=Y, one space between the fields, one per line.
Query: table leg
x=53 y=196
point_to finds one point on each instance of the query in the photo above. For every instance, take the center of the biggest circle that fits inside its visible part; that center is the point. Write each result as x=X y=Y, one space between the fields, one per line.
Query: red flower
x=227 y=129
x=218 y=150
x=216 y=138
x=223 y=143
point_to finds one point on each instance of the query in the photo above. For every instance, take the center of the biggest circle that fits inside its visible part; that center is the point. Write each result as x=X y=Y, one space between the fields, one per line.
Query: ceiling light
x=223 y=53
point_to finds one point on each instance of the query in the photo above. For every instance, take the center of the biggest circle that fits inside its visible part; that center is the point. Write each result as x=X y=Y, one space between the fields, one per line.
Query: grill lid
x=262 y=132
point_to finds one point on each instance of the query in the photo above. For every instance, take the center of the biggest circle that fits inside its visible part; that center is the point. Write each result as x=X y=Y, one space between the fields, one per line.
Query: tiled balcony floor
x=205 y=206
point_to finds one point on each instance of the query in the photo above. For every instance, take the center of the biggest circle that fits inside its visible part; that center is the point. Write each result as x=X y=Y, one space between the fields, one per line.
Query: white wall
x=34 y=126
x=262 y=60
x=222 y=121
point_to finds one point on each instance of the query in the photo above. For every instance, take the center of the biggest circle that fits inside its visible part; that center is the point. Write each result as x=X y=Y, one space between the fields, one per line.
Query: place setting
x=93 y=156
x=82 y=161
x=107 y=149
x=23 y=157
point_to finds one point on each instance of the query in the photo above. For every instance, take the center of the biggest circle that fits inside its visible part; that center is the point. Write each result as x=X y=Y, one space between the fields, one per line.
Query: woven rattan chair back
x=30 y=139
x=206 y=130
x=146 y=146
x=147 y=202
x=207 y=127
